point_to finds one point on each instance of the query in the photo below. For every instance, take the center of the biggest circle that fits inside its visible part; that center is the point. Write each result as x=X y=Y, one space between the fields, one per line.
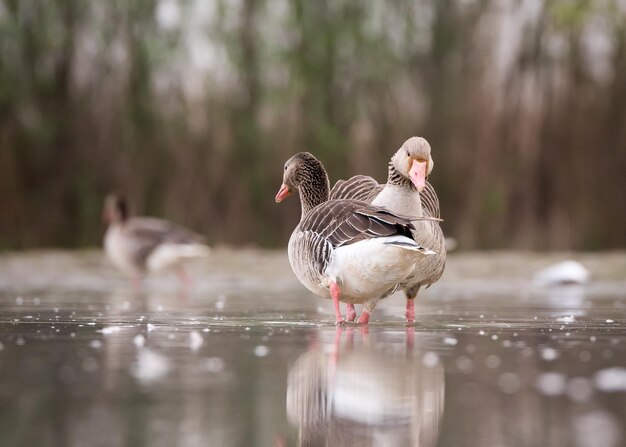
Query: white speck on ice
x=549 y=354
x=494 y=337
x=567 y=319
x=551 y=383
x=95 y=344
x=430 y=359
x=109 y=330
x=150 y=327
x=450 y=341
x=19 y=300
x=611 y=379
x=195 y=340
x=261 y=351
x=481 y=332
x=126 y=305
x=150 y=366
x=139 y=340
x=566 y=272
x=609 y=321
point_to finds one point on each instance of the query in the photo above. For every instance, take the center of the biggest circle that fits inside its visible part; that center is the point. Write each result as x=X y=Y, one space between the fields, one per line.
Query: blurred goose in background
x=141 y=245
x=406 y=192
x=346 y=250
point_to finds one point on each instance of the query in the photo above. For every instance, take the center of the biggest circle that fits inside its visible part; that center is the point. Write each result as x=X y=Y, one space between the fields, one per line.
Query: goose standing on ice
x=141 y=245
x=406 y=192
x=346 y=250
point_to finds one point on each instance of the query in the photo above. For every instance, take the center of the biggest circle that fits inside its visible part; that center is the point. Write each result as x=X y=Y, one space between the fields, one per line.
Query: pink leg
x=350 y=312
x=410 y=294
x=410 y=310
x=334 y=293
x=364 y=318
x=410 y=337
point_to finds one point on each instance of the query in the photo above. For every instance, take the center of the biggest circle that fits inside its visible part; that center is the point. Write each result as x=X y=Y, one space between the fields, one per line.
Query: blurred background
x=191 y=107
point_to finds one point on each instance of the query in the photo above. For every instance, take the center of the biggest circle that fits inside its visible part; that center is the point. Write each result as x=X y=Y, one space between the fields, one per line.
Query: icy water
x=247 y=357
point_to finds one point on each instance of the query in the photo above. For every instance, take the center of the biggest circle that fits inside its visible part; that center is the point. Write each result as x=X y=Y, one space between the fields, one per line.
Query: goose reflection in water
x=354 y=392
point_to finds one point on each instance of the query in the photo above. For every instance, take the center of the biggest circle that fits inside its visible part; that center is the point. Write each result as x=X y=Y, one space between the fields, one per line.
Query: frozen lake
x=247 y=357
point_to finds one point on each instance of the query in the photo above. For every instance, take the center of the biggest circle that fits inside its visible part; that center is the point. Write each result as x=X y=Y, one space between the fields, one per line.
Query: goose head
x=413 y=161
x=305 y=173
x=115 y=209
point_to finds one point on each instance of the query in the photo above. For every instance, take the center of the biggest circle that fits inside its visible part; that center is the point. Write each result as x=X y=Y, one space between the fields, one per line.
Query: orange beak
x=417 y=174
x=283 y=193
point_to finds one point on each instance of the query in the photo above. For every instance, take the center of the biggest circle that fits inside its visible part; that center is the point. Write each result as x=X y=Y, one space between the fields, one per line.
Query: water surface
x=247 y=357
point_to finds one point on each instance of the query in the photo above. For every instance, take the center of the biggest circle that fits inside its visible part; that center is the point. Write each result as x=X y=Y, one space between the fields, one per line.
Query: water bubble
x=492 y=361
x=509 y=383
x=1 y=346
x=592 y=338
x=481 y=332
x=551 y=383
x=150 y=327
x=450 y=341
x=20 y=341
x=549 y=354
x=149 y=366
x=19 y=300
x=465 y=364
x=584 y=356
x=579 y=389
x=139 y=340
x=597 y=428
x=89 y=365
x=213 y=364
x=261 y=351
x=611 y=379
x=494 y=337
x=609 y=321
x=195 y=340
x=430 y=359
x=95 y=344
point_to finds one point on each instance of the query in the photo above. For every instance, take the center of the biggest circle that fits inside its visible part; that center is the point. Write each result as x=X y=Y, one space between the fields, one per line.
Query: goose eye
x=285 y=167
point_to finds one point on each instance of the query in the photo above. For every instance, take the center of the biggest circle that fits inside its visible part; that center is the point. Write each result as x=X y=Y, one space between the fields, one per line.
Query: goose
x=345 y=250
x=408 y=193
x=141 y=245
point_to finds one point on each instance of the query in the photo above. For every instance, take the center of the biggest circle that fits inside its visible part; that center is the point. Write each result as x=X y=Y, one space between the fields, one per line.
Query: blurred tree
x=191 y=108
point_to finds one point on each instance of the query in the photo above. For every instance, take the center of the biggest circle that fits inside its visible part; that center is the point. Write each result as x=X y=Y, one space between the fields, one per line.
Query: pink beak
x=283 y=193
x=417 y=174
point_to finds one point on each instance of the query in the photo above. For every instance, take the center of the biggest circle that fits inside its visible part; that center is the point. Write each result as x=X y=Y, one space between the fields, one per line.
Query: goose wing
x=359 y=187
x=345 y=222
x=145 y=234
